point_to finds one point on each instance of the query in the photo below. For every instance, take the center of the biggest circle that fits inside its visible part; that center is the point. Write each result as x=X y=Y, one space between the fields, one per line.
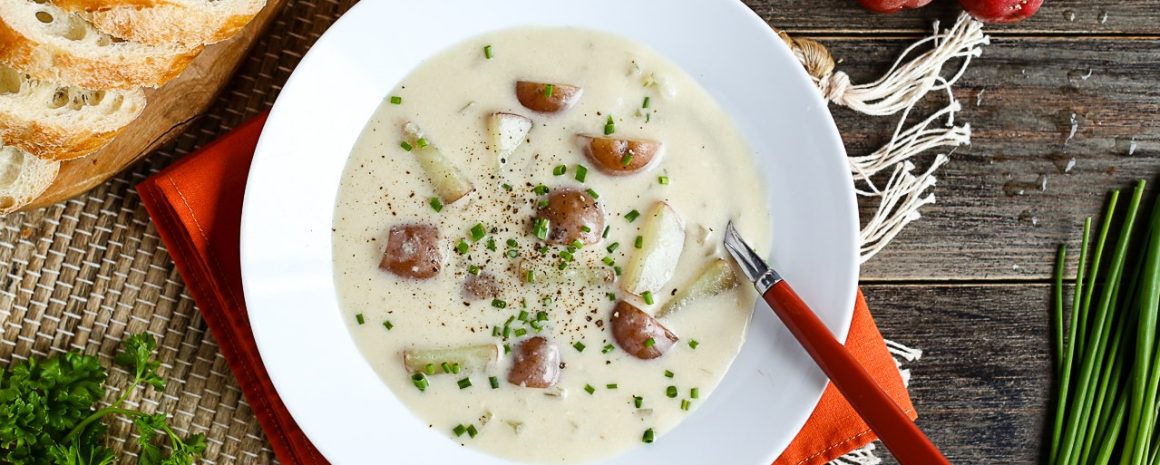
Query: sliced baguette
x=22 y=177
x=57 y=122
x=51 y=44
x=188 y=22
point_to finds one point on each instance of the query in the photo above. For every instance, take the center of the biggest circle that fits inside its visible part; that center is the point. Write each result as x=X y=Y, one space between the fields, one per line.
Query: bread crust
x=34 y=178
x=50 y=142
x=159 y=22
x=107 y=71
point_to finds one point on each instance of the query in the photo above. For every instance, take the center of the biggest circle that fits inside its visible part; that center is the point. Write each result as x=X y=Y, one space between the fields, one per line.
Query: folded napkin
x=196 y=205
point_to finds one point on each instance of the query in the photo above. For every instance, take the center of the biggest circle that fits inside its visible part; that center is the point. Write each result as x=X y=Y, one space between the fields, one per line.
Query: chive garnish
x=647 y=117
x=663 y=180
x=562 y=265
x=671 y=392
x=685 y=404
x=648 y=436
x=494 y=382
x=559 y=170
x=540 y=228
x=694 y=393
x=359 y=318
x=541 y=316
x=473 y=269
x=523 y=315
x=507 y=332
x=512 y=253
x=547 y=301
x=592 y=193
x=387 y=324
x=609 y=126
x=461 y=247
x=541 y=189
x=464 y=383
x=420 y=381
x=608 y=261
x=611 y=386
x=589 y=388
x=579 y=346
x=405 y=146
x=529 y=276
x=648 y=297
x=422 y=142
x=650 y=342
x=617 y=270
x=644 y=104
x=520 y=332
x=477 y=232
x=446 y=367
x=632 y=215
x=693 y=344
x=607 y=348
x=639 y=242
x=429 y=368
x=495 y=331
x=669 y=374
x=612 y=247
x=471 y=431
x=507 y=349
x=459 y=430
x=395 y=99
x=626 y=159
x=576 y=244
x=585 y=228
x=637 y=401
x=542 y=204
x=612 y=296
x=549 y=89
x=606 y=228
x=487 y=52
x=497 y=303
x=512 y=243
x=506 y=186
x=436 y=204
x=581 y=173
x=491 y=244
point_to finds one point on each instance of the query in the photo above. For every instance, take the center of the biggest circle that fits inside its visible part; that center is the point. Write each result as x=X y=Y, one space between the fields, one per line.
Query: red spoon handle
x=908 y=444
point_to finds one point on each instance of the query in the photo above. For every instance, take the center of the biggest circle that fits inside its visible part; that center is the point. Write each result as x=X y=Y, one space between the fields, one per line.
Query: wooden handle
x=908 y=444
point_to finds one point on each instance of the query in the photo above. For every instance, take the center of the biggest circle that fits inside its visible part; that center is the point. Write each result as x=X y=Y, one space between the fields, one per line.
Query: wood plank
x=1019 y=98
x=982 y=386
x=1073 y=17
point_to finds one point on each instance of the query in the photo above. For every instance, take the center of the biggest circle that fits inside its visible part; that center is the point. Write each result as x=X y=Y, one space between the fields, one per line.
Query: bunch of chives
x=1108 y=365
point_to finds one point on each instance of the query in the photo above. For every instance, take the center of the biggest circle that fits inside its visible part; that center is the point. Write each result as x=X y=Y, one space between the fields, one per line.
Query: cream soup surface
x=709 y=178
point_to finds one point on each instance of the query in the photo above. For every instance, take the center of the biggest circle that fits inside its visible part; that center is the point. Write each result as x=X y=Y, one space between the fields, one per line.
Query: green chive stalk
x=1076 y=315
x=1146 y=371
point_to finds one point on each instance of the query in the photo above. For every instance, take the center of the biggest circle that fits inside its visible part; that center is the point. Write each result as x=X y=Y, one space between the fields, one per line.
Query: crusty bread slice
x=22 y=177
x=189 y=22
x=57 y=122
x=51 y=44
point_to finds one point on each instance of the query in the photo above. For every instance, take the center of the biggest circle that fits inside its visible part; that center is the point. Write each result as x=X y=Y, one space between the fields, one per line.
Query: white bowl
x=336 y=397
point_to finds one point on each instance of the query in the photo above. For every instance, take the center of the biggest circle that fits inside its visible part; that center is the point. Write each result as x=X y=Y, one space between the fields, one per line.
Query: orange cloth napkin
x=196 y=205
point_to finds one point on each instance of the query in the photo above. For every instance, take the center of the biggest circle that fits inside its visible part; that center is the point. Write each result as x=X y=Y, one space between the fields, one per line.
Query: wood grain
x=171 y=109
x=983 y=384
x=1056 y=17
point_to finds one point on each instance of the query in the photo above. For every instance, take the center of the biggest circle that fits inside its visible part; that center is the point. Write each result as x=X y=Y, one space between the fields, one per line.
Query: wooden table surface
x=969 y=282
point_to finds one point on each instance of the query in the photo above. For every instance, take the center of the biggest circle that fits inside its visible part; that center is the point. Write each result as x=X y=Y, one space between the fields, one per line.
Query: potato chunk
x=473 y=358
x=638 y=333
x=572 y=214
x=508 y=131
x=535 y=364
x=619 y=157
x=717 y=277
x=413 y=251
x=547 y=98
x=662 y=241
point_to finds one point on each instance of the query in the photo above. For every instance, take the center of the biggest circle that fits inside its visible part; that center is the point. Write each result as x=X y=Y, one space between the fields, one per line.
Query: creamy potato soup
x=527 y=243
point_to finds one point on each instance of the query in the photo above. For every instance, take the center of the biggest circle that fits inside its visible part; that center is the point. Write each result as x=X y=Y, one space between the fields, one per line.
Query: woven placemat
x=82 y=274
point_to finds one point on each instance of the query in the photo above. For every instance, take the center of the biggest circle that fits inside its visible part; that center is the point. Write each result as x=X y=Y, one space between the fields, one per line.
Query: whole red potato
x=892 y=6
x=1001 y=11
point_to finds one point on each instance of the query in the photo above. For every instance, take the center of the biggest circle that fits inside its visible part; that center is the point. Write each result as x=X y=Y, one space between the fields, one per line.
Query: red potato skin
x=413 y=251
x=532 y=96
x=608 y=154
x=568 y=211
x=1001 y=11
x=892 y=6
x=535 y=364
x=631 y=327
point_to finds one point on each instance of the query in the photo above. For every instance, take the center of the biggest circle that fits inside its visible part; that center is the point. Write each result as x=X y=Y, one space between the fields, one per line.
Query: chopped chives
x=487 y=52
x=693 y=344
x=685 y=404
x=471 y=431
x=608 y=261
x=694 y=393
x=585 y=228
x=549 y=89
x=512 y=243
x=541 y=189
x=387 y=324
x=422 y=142
x=607 y=348
x=540 y=228
x=512 y=253
x=455 y=368
x=497 y=303
x=494 y=382
x=648 y=436
x=446 y=367
x=626 y=159
x=464 y=383
x=669 y=374
x=559 y=170
x=473 y=269
x=593 y=194
x=671 y=392
x=495 y=331
x=637 y=401
x=542 y=204
x=589 y=388
x=579 y=346
x=429 y=368
x=461 y=247
x=529 y=276
x=405 y=146
x=650 y=342
x=606 y=228
x=612 y=296
x=520 y=332
x=491 y=244
x=645 y=103
x=523 y=315
x=611 y=386
x=506 y=186
x=632 y=215
x=581 y=173
x=507 y=332
x=663 y=180
x=612 y=247
x=576 y=244
x=541 y=316
x=459 y=430
x=609 y=126
x=647 y=117
x=436 y=204
x=507 y=349
x=420 y=381
x=547 y=301
x=359 y=318
x=617 y=270
x=567 y=256
x=639 y=242
x=395 y=99
x=477 y=232
x=537 y=325
x=562 y=266
x=648 y=297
